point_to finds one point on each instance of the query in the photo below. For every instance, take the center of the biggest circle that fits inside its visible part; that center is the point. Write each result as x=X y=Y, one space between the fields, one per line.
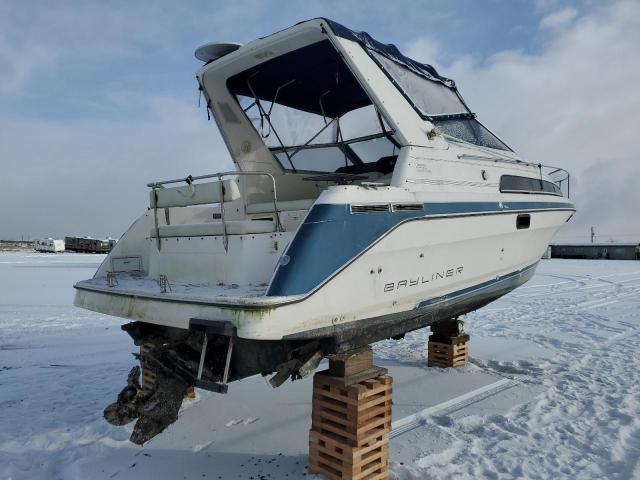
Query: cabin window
x=373 y=150
x=312 y=113
x=322 y=159
x=469 y=130
x=517 y=184
x=439 y=103
x=431 y=97
x=288 y=125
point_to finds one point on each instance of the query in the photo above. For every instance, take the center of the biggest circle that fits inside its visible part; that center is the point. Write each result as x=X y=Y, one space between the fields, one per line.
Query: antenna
x=214 y=50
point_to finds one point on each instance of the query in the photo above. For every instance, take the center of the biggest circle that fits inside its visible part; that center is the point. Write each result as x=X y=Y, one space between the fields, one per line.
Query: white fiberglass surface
x=141 y=285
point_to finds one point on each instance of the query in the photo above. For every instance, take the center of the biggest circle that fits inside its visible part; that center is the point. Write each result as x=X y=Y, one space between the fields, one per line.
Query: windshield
x=439 y=103
x=313 y=114
x=430 y=96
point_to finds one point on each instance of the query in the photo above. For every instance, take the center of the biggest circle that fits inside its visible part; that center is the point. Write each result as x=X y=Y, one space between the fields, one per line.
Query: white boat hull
x=417 y=261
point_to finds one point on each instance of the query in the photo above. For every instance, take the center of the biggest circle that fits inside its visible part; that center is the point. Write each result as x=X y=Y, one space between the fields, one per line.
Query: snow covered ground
x=553 y=389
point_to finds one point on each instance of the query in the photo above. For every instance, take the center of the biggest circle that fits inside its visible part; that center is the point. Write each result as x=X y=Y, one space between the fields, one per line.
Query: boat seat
x=384 y=165
x=284 y=206
x=234 y=227
x=194 y=194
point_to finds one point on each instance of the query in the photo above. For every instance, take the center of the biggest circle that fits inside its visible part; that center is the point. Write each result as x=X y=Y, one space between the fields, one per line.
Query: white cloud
x=83 y=168
x=43 y=37
x=88 y=177
x=17 y=67
x=427 y=49
x=575 y=104
x=560 y=18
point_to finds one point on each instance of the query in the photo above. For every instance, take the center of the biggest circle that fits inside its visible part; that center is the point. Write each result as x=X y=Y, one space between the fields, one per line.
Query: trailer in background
x=595 y=251
x=48 y=245
x=89 y=245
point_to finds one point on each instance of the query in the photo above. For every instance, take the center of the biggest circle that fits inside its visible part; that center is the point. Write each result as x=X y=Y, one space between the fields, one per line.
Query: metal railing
x=190 y=179
x=560 y=177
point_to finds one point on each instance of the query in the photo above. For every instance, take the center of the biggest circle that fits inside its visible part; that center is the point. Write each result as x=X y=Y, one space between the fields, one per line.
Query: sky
x=99 y=98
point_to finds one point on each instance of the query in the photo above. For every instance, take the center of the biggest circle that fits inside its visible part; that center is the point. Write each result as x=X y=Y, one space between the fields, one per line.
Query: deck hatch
x=369 y=207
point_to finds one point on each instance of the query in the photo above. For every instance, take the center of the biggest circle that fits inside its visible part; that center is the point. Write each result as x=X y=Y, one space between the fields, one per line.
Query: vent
x=370 y=208
x=407 y=207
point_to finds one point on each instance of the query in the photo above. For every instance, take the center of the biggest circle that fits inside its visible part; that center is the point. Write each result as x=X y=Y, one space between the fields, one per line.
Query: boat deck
x=136 y=285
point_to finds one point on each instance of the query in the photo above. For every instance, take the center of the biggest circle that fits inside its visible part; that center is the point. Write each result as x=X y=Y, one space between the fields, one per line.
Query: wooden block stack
x=349 y=437
x=448 y=351
x=354 y=366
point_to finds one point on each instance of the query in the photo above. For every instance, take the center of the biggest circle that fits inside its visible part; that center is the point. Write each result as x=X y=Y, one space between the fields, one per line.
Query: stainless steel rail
x=563 y=176
x=158 y=185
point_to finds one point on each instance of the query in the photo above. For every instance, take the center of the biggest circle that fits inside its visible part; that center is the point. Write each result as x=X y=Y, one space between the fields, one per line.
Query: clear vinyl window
x=312 y=113
x=439 y=103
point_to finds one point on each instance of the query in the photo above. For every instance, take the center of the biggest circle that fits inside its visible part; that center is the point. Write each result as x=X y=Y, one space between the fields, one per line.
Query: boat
x=367 y=201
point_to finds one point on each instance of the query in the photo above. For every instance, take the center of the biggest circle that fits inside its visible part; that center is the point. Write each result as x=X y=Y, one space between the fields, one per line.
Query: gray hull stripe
x=369 y=330
x=476 y=288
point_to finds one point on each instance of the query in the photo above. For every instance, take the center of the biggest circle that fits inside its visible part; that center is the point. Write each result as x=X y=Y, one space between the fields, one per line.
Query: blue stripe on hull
x=331 y=236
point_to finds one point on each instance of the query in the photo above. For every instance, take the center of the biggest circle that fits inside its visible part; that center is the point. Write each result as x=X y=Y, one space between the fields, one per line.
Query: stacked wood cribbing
x=349 y=437
x=448 y=351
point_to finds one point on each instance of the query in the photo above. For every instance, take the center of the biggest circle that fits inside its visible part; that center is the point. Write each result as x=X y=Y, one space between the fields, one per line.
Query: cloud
x=42 y=38
x=88 y=177
x=560 y=18
x=85 y=125
x=575 y=104
x=17 y=68
x=425 y=48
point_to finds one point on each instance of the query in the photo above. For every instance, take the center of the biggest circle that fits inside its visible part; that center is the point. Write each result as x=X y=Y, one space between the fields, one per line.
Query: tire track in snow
x=586 y=424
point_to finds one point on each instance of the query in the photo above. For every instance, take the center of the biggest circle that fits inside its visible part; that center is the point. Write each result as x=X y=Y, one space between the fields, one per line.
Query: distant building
x=595 y=251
